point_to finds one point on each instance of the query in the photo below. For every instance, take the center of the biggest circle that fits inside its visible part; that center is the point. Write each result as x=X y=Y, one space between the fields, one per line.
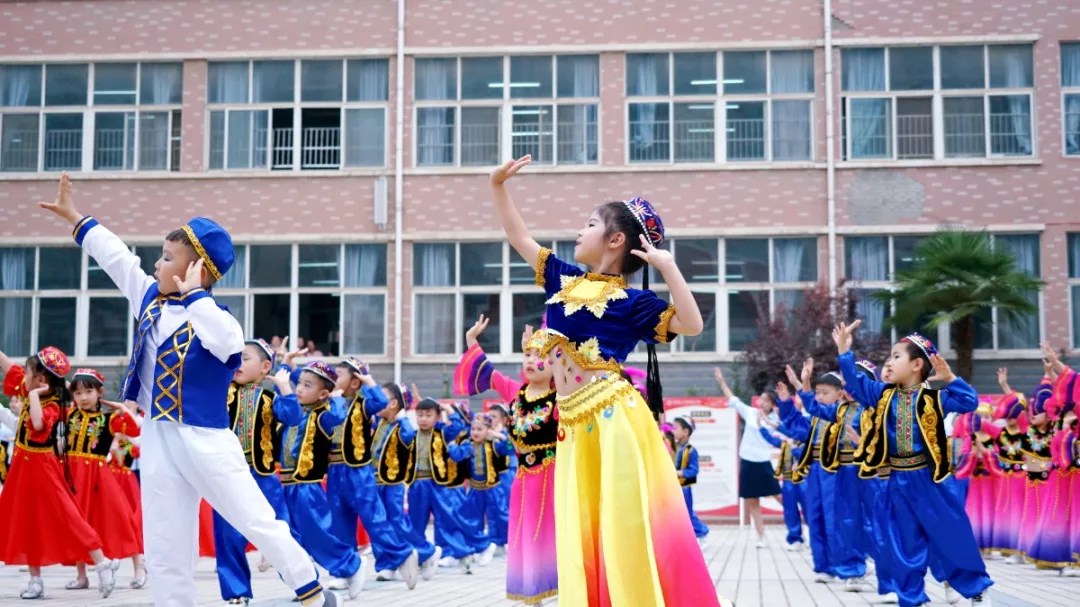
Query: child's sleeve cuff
x=82 y=228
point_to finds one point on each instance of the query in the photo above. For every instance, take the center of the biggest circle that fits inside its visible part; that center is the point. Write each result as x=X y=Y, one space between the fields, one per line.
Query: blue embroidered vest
x=190 y=383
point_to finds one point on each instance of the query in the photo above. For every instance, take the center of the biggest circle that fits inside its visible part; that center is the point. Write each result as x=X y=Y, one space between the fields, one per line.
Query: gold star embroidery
x=591 y=291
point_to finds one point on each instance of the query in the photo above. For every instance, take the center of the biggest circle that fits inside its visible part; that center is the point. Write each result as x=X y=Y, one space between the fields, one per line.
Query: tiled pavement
x=752 y=577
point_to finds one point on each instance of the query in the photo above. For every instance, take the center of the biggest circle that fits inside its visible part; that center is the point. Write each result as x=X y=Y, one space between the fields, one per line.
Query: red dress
x=97 y=492
x=41 y=524
x=129 y=483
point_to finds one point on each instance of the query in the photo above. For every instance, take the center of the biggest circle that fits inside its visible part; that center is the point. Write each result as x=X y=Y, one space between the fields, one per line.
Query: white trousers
x=181 y=464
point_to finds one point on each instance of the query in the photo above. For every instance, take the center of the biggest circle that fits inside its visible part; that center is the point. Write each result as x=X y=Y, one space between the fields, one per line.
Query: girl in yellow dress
x=623 y=534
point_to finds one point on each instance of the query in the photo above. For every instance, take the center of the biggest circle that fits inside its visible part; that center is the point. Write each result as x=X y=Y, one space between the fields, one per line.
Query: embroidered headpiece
x=922 y=343
x=1041 y=400
x=265 y=347
x=501 y=408
x=985 y=408
x=687 y=422
x=1012 y=406
x=89 y=374
x=322 y=369
x=483 y=418
x=868 y=367
x=461 y=407
x=213 y=245
x=647 y=217
x=356 y=365
x=538 y=341
x=407 y=397
x=832 y=378
x=54 y=361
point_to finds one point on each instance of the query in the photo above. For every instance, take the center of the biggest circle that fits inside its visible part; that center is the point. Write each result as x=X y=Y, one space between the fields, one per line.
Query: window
x=762 y=99
x=1070 y=85
x=891 y=94
x=871 y=262
x=131 y=110
x=1074 y=286
x=315 y=114
x=542 y=105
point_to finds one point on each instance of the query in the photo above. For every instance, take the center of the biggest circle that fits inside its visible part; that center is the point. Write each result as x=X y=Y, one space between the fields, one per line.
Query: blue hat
x=869 y=368
x=212 y=243
x=922 y=343
x=647 y=218
x=322 y=369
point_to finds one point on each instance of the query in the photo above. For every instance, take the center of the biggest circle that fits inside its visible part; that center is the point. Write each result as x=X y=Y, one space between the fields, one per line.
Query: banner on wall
x=716 y=440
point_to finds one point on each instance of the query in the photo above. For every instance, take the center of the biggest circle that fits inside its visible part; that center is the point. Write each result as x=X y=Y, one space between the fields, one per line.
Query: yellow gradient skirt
x=622 y=532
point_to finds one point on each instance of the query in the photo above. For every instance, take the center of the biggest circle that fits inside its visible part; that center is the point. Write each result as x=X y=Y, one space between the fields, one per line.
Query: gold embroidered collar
x=590 y=291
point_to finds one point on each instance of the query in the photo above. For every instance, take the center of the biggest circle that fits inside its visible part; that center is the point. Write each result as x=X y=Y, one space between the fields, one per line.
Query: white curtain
x=646 y=68
x=787 y=267
x=871 y=311
x=1072 y=124
x=15 y=313
x=362 y=264
x=434 y=318
x=580 y=134
x=18 y=81
x=791 y=130
x=864 y=69
x=792 y=71
x=153 y=140
x=435 y=263
x=868 y=258
x=870 y=134
x=368 y=80
x=234 y=278
x=434 y=80
x=161 y=82
x=1017 y=64
x=1021 y=331
x=365 y=137
x=229 y=82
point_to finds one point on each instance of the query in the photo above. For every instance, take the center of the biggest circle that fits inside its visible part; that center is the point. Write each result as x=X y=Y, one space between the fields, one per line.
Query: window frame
x=1066 y=92
x=721 y=101
x=296 y=147
x=506 y=104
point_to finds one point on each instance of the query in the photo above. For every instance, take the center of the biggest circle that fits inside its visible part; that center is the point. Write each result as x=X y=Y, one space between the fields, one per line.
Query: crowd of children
x=570 y=479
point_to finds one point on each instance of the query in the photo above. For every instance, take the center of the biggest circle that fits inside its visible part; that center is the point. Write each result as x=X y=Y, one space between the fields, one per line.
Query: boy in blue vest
x=686 y=466
x=186 y=352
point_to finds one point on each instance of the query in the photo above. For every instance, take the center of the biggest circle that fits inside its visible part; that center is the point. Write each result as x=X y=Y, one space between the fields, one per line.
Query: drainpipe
x=830 y=147
x=399 y=171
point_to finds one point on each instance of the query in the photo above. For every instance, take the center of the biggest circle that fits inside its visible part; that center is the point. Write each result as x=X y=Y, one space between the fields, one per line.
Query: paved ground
x=769 y=577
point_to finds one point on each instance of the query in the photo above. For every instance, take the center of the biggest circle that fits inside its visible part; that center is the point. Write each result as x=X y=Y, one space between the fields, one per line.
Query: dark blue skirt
x=756 y=479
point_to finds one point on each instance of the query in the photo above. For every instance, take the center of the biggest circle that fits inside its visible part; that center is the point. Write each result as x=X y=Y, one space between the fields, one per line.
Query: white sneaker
x=823 y=578
x=466 y=564
x=336 y=583
x=427 y=570
x=356 y=581
x=795 y=547
x=485 y=557
x=1071 y=572
x=1016 y=559
x=871 y=568
x=410 y=570
x=106 y=571
x=952 y=597
x=856 y=584
x=385 y=575
x=366 y=550
x=889 y=598
x=448 y=561
x=500 y=550
x=760 y=544
x=980 y=600
x=35 y=589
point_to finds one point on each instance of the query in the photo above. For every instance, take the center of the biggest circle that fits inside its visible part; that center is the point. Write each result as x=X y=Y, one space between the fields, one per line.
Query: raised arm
x=218 y=330
x=687 y=318
x=119 y=263
x=517 y=233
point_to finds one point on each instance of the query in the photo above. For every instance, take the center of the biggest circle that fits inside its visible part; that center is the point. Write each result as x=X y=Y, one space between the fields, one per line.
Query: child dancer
x=905 y=431
x=1066 y=447
x=980 y=465
x=43 y=525
x=90 y=432
x=432 y=472
x=791 y=485
x=622 y=533
x=686 y=468
x=186 y=351
x=531 y=574
x=485 y=456
x=350 y=483
x=391 y=446
x=1044 y=529
x=500 y=510
x=251 y=418
x=125 y=452
x=1009 y=507
x=310 y=419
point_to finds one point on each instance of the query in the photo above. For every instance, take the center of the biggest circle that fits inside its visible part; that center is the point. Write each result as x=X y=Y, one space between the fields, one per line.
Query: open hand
x=526 y=335
x=1003 y=379
x=791 y=377
x=192 y=279
x=844 y=335
x=942 y=371
x=653 y=256
x=782 y=391
x=718 y=373
x=509 y=168
x=807 y=371
x=474 y=332
x=63 y=206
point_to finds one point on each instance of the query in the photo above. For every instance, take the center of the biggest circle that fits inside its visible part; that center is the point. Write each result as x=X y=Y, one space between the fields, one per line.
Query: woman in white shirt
x=756 y=475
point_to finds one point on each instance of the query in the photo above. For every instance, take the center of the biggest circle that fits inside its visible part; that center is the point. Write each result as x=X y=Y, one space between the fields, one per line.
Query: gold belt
x=593 y=397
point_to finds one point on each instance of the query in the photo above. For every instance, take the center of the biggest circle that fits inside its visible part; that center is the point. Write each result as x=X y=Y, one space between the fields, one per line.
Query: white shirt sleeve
x=122 y=266
x=745 y=411
x=8 y=419
x=219 y=332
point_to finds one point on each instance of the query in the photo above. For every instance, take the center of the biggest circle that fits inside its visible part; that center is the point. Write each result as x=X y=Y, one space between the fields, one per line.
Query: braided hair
x=618 y=218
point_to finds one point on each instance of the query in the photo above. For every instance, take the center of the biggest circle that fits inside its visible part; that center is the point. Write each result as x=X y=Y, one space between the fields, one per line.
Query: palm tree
x=957 y=276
